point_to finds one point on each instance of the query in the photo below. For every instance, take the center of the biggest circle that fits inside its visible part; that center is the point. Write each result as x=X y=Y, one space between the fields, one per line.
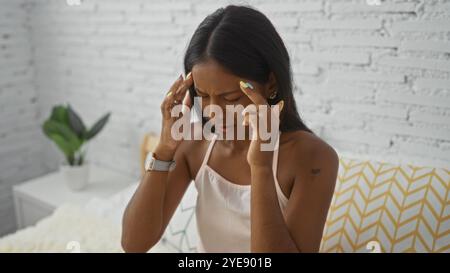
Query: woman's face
x=216 y=86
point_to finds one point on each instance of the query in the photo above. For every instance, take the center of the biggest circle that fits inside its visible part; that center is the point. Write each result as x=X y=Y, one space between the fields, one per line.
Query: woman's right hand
x=177 y=94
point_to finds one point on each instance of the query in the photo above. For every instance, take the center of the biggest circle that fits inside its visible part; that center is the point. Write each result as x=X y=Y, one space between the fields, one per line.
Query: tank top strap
x=208 y=151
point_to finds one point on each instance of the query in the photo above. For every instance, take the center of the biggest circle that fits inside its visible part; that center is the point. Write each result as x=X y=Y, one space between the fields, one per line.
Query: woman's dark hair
x=245 y=42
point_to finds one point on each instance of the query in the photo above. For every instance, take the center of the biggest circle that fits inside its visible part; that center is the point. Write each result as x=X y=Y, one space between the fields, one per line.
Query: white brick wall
x=372 y=80
x=19 y=132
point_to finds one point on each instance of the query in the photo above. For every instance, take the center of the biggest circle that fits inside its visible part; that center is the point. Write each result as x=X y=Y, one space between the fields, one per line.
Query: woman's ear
x=271 y=85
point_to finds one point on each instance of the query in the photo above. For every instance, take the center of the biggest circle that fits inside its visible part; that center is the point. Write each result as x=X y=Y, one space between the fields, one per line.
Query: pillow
x=398 y=208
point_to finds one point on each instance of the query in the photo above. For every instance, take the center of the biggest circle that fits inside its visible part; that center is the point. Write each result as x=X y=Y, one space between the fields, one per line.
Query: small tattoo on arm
x=315 y=171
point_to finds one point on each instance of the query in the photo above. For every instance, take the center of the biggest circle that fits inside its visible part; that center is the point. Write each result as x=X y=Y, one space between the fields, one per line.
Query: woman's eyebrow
x=221 y=94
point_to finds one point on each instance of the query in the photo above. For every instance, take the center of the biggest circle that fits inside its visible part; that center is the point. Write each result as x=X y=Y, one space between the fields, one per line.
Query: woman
x=236 y=57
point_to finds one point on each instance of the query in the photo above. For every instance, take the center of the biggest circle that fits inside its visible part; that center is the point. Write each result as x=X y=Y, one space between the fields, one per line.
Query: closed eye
x=228 y=96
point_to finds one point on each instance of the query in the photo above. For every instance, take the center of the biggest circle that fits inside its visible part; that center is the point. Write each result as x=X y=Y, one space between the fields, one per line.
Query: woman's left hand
x=260 y=114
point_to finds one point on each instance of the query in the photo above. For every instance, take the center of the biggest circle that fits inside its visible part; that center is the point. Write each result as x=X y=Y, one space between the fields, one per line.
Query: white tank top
x=223 y=208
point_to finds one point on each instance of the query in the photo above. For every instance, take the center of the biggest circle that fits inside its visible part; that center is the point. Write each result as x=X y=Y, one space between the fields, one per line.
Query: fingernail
x=246 y=85
x=180 y=77
x=169 y=94
x=189 y=76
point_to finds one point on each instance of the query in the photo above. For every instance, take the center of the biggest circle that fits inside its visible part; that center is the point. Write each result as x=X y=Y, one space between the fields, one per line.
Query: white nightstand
x=39 y=197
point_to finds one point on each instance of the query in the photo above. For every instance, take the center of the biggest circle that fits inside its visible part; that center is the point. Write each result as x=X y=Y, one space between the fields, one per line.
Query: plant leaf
x=59 y=114
x=52 y=127
x=76 y=123
x=64 y=146
x=98 y=126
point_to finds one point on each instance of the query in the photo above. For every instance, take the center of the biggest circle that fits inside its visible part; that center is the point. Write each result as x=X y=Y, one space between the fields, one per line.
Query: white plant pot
x=77 y=177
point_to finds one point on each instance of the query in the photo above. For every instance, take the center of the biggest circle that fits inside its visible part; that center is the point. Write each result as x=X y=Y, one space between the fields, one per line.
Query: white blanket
x=94 y=227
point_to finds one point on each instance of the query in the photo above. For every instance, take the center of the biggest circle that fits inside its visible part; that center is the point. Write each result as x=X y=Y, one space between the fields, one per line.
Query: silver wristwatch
x=153 y=164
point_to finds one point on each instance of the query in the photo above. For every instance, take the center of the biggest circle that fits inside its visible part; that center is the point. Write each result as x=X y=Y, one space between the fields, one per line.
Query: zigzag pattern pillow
x=401 y=208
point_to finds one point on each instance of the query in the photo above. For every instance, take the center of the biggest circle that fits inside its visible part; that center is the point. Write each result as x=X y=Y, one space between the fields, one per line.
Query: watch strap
x=158 y=165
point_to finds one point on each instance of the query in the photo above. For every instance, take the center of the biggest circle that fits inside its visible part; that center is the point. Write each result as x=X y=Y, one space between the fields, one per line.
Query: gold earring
x=273 y=95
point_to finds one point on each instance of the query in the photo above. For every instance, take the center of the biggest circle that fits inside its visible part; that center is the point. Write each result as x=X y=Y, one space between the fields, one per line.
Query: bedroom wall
x=371 y=80
x=19 y=132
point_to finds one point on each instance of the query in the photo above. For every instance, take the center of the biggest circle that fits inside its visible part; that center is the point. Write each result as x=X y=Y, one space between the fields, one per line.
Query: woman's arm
x=159 y=192
x=306 y=210
x=310 y=197
x=269 y=232
x=153 y=204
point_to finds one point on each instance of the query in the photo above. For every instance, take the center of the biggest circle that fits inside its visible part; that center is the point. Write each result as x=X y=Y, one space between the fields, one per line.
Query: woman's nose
x=214 y=101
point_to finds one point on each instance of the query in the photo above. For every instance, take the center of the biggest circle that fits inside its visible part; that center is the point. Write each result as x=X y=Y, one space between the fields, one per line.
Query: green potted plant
x=67 y=130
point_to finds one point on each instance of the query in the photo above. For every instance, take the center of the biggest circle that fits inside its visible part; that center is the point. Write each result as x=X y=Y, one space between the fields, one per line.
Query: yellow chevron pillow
x=389 y=208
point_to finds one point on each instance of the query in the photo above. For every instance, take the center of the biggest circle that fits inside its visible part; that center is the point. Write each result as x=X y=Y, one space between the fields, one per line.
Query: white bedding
x=93 y=227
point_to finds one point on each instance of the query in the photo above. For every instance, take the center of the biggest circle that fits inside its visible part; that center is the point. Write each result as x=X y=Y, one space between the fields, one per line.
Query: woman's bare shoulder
x=309 y=149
